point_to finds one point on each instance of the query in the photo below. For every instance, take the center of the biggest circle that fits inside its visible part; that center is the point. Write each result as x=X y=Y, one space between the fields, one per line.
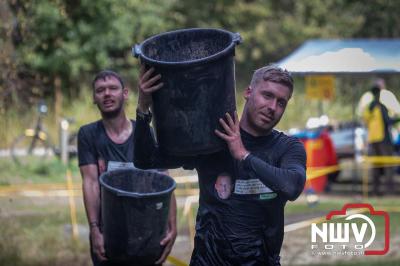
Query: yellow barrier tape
x=72 y=207
x=185 y=179
x=321 y=219
x=40 y=194
x=365 y=177
x=176 y=261
x=185 y=192
x=377 y=161
x=388 y=160
x=314 y=172
x=57 y=191
x=40 y=187
x=388 y=209
x=8 y=190
x=317 y=220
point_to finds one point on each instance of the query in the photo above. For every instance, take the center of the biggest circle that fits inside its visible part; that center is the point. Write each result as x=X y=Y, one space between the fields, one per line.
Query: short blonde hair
x=272 y=73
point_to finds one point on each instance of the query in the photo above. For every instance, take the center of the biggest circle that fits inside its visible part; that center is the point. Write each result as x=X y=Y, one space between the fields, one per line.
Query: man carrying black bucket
x=267 y=168
x=105 y=145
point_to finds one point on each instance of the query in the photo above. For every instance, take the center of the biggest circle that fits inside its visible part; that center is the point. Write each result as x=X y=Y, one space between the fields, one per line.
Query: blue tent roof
x=345 y=56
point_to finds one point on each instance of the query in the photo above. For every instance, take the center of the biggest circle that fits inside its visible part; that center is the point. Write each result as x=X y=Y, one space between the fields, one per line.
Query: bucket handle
x=237 y=39
x=121 y=193
x=137 y=50
x=124 y=194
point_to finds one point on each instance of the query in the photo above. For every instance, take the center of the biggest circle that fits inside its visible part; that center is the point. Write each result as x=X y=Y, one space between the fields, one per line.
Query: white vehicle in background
x=349 y=138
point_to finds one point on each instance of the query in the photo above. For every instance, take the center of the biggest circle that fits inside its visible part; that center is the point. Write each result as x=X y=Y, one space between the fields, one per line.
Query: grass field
x=35 y=229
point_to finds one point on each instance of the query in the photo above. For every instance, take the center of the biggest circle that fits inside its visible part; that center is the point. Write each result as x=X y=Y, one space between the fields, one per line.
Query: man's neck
x=244 y=125
x=118 y=128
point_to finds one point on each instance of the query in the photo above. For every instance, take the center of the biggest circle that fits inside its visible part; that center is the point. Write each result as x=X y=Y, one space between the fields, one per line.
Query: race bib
x=113 y=165
x=250 y=187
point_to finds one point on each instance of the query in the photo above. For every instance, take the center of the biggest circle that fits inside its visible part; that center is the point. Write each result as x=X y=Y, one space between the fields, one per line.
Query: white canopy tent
x=348 y=56
x=344 y=56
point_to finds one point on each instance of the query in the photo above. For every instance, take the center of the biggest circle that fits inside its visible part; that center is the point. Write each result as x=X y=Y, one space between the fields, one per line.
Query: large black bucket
x=134 y=209
x=198 y=71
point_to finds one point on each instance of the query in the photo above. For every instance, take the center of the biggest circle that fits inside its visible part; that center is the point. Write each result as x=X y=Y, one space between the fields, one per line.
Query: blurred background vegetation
x=50 y=49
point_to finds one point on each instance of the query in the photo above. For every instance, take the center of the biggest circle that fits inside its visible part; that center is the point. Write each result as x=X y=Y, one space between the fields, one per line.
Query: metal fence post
x=64 y=126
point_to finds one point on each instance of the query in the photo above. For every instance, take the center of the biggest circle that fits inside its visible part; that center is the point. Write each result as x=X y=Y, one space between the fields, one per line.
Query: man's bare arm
x=169 y=239
x=91 y=199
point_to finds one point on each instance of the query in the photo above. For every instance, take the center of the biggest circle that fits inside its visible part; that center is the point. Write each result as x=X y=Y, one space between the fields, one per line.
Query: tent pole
x=355 y=177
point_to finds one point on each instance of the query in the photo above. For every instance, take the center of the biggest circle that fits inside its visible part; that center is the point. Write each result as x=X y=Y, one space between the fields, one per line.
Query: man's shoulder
x=283 y=136
x=90 y=128
x=91 y=125
x=287 y=140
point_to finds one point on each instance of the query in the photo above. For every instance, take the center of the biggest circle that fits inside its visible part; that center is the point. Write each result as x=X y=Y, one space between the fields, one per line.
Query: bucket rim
x=236 y=39
x=124 y=193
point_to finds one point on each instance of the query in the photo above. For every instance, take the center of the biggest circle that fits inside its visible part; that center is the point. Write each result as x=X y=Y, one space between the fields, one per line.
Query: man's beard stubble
x=110 y=114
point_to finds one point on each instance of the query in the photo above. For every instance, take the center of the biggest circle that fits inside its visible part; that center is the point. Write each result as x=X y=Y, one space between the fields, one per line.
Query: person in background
x=386 y=97
x=267 y=169
x=378 y=122
x=105 y=145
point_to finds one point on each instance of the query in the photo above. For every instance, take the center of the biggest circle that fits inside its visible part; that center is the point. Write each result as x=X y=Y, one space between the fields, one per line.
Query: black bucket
x=198 y=71
x=134 y=209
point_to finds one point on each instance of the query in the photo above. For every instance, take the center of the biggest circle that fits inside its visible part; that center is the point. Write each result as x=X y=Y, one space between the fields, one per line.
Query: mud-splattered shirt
x=240 y=219
x=95 y=147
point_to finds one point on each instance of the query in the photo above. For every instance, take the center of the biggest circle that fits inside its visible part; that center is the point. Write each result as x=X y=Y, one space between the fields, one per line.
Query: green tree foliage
x=270 y=29
x=73 y=39
x=379 y=18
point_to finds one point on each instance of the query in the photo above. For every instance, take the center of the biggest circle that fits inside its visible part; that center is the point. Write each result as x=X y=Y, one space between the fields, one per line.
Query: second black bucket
x=198 y=71
x=134 y=207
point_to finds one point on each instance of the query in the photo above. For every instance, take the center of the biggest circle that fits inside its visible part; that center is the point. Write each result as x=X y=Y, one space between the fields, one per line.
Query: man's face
x=109 y=96
x=223 y=186
x=265 y=105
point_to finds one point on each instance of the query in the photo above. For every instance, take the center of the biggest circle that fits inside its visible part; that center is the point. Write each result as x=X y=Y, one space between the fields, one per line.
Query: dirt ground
x=295 y=249
x=296 y=246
